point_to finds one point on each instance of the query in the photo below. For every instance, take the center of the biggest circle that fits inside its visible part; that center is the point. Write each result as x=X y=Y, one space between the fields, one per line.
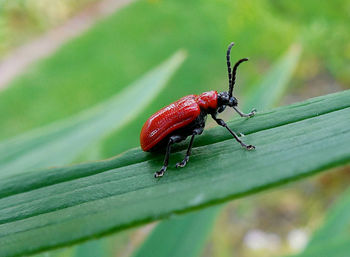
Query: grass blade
x=121 y=192
x=60 y=143
x=333 y=236
x=183 y=239
x=335 y=246
x=267 y=120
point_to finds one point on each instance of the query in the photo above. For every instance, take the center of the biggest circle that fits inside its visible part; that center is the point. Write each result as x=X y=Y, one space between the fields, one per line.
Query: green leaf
x=335 y=246
x=275 y=83
x=184 y=231
x=337 y=222
x=93 y=248
x=54 y=207
x=334 y=235
x=60 y=143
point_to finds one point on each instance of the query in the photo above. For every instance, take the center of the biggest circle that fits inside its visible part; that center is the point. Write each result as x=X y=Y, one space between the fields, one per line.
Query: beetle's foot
x=249 y=147
x=160 y=173
x=183 y=163
x=252 y=113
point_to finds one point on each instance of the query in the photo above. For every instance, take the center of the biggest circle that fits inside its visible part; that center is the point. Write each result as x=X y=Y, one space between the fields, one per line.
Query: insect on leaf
x=48 y=208
x=275 y=82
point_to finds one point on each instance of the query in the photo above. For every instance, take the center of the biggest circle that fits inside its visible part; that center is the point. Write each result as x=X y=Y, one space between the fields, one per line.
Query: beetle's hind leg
x=172 y=140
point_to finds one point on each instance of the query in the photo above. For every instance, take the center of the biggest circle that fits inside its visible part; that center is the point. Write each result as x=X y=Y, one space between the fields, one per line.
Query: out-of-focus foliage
x=60 y=143
x=21 y=20
x=277 y=222
x=322 y=26
x=333 y=238
x=180 y=235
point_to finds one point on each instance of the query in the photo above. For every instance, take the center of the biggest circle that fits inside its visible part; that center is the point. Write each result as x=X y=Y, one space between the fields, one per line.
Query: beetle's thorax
x=207 y=100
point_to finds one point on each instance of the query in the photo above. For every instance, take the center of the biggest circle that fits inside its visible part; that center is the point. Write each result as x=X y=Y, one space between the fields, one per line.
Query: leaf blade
x=262 y=121
x=129 y=195
x=334 y=233
x=185 y=229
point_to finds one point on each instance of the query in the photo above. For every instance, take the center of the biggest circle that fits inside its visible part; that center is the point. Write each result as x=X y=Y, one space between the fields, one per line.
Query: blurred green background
x=119 y=48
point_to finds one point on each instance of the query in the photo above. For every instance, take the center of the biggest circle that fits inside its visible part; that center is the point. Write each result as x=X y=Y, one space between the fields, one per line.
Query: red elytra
x=174 y=116
x=186 y=118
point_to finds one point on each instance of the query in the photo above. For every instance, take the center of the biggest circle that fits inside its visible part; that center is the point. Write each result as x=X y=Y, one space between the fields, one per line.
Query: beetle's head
x=224 y=100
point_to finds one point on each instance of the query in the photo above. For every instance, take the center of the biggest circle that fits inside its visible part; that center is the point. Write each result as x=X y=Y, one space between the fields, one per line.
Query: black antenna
x=234 y=74
x=229 y=65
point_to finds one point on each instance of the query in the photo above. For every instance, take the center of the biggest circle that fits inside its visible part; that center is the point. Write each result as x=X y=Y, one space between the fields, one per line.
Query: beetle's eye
x=235 y=102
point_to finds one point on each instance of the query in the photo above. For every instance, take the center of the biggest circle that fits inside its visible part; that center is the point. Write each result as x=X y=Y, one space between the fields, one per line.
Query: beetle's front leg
x=223 y=124
x=248 y=115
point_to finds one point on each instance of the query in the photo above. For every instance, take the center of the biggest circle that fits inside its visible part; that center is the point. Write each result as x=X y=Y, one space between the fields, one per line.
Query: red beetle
x=186 y=117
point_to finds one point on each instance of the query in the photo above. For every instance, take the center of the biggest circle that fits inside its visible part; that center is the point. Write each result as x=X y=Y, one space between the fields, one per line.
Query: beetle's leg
x=196 y=131
x=172 y=140
x=223 y=124
x=160 y=173
x=188 y=153
x=251 y=114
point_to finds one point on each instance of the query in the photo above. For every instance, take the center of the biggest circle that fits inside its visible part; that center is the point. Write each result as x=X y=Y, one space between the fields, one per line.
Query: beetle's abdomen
x=208 y=100
x=167 y=120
